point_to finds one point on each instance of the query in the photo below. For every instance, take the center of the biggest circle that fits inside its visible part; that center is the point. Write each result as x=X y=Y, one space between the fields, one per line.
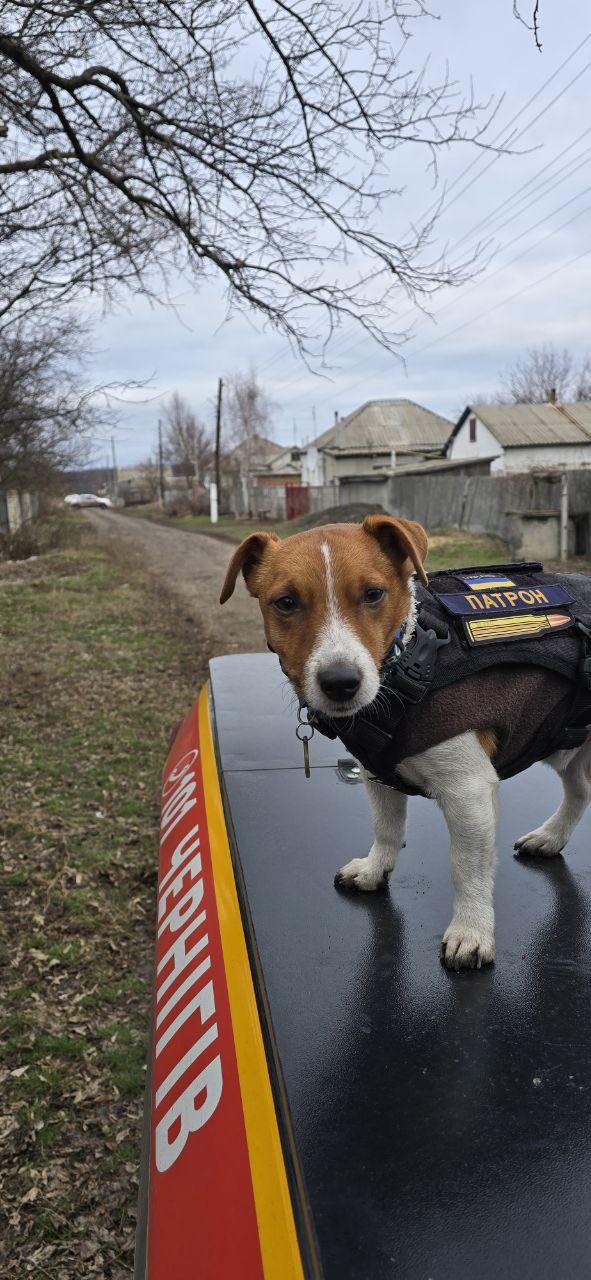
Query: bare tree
x=545 y=370
x=532 y=378
x=582 y=382
x=219 y=138
x=150 y=473
x=47 y=413
x=187 y=442
x=249 y=411
x=249 y=417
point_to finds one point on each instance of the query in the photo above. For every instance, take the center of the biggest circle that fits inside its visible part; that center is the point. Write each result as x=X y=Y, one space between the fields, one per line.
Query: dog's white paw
x=357 y=875
x=466 y=948
x=545 y=842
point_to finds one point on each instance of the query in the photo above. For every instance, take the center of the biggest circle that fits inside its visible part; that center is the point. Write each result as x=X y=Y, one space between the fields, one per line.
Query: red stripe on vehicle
x=202 y=1221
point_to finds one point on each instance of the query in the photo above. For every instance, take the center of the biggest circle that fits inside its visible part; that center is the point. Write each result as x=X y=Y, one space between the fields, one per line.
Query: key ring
x=304 y=734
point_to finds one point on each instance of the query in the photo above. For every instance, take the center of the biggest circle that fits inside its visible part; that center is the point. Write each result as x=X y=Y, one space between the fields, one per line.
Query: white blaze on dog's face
x=332 y=601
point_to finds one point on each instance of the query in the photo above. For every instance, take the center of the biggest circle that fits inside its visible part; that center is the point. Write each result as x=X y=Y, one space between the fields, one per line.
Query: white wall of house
x=324 y=468
x=483 y=446
x=544 y=455
x=312 y=466
x=357 y=464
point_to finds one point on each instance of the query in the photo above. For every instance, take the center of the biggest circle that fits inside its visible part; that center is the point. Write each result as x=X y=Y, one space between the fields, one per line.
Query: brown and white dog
x=332 y=601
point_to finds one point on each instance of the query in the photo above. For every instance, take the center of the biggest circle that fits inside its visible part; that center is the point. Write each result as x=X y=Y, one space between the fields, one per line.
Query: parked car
x=86 y=500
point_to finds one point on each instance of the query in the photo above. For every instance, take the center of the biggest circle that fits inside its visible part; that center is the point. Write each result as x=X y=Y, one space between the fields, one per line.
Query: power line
x=580 y=162
x=519 y=135
x=553 y=231
x=503 y=205
x=502 y=248
x=495 y=307
x=510 y=298
x=514 y=138
x=514 y=119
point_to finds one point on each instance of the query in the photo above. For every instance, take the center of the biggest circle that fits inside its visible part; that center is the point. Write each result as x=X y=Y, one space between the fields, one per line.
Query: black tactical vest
x=469 y=620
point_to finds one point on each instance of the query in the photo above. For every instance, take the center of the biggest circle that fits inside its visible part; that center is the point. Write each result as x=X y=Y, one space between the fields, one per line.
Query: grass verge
x=448 y=547
x=96 y=667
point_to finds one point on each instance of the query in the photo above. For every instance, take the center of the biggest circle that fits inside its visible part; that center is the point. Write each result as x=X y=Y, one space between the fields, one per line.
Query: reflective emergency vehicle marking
x=515 y=627
x=516 y=601
x=210 y=1214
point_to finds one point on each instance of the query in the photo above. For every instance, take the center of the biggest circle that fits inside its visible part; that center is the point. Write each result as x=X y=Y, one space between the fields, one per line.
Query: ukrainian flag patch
x=484 y=581
x=517 y=626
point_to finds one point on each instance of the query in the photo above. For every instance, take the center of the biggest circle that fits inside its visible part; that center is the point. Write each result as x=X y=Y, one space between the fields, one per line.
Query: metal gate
x=297 y=500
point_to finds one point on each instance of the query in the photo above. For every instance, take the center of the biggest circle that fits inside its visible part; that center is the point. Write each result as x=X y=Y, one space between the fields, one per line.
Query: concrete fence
x=16 y=509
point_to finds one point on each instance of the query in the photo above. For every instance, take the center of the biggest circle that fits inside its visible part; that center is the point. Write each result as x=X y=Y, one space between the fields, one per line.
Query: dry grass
x=448 y=547
x=96 y=667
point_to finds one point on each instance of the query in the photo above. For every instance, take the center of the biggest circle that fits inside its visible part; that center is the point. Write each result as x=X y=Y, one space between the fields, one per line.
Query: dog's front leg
x=388 y=812
x=460 y=776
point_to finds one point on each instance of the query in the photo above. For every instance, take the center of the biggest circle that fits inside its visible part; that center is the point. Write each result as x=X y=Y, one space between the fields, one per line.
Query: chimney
x=552 y=396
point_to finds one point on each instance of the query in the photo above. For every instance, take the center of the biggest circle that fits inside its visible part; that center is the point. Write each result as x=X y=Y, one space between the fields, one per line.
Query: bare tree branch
x=534 y=25
x=245 y=140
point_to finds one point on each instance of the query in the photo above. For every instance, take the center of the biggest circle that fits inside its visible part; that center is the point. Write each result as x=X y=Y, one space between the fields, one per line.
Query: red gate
x=297 y=500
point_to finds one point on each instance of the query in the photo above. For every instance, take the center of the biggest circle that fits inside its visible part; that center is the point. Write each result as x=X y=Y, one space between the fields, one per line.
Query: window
x=472 y=430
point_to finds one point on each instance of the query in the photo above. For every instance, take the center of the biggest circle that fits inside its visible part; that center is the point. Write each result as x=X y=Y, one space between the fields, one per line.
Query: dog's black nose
x=340 y=681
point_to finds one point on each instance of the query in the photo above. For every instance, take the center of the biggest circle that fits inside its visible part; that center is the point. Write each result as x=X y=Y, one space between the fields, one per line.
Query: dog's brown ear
x=401 y=540
x=246 y=558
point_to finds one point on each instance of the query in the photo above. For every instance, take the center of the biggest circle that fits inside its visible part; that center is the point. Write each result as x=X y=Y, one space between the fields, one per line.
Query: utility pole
x=564 y=515
x=214 y=489
x=115 y=476
x=218 y=433
x=160 y=464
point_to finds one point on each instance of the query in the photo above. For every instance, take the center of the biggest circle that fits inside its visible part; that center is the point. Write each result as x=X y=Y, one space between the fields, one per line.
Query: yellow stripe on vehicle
x=277 y=1232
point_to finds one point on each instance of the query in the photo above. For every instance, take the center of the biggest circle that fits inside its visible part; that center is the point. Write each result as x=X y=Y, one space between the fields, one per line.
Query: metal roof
x=255 y=449
x=515 y=425
x=386 y=424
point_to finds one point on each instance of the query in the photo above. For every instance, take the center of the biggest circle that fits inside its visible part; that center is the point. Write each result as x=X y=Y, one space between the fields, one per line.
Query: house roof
x=256 y=449
x=282 y=461
x=440 y=464
x=382 y=425
x=527 y=425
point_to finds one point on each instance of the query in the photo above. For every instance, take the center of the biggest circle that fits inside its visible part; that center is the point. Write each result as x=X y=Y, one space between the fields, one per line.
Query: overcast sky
x=535 y=286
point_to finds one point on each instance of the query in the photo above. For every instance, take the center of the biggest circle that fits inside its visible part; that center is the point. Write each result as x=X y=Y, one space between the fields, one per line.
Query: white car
x=86 y=500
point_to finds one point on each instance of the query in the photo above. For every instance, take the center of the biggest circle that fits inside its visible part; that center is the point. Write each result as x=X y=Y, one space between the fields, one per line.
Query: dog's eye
x=285 y=604
x=373 y=595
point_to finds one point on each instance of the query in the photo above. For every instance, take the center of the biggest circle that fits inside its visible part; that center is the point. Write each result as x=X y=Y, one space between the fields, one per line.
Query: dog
x=332 y=601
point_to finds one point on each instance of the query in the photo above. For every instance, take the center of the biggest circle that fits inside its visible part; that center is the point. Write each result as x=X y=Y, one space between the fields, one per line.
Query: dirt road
x=192 y=566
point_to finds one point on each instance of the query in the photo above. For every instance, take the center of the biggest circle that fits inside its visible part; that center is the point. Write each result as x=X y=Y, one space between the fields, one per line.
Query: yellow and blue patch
x=484 y=581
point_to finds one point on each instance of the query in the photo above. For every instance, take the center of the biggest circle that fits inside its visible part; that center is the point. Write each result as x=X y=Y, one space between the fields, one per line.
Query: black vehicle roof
x=441 y=1122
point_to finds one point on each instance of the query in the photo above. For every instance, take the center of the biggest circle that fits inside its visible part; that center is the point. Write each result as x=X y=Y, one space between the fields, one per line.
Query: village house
x=522 y=437
x=240 y=469
x=373 y=439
